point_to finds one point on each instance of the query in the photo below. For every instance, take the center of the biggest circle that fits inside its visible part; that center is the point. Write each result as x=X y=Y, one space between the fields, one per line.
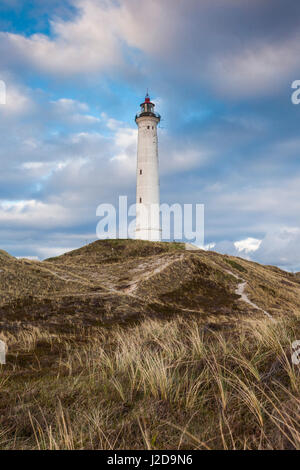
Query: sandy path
x=155 y=270
x=157 y=267
x=240 y=290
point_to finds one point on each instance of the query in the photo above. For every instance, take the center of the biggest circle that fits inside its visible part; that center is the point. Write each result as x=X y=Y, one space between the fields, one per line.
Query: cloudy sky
x=220 y=72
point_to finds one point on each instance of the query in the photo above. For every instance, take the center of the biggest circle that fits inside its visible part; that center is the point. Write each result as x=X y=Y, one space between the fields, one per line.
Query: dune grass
x=158 y=384
x=135 y=345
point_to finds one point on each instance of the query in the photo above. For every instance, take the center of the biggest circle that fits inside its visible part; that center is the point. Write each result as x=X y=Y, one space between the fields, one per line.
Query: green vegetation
x=235 y=265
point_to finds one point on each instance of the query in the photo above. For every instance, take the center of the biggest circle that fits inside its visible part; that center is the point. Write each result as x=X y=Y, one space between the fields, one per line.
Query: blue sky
x=220 y=72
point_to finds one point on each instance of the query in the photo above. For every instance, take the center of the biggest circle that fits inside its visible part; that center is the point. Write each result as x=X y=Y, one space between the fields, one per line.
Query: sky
x=220 y=73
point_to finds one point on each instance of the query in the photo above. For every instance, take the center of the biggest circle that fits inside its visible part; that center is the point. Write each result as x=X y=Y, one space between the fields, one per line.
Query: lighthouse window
x=141 y=172
x=140 y=200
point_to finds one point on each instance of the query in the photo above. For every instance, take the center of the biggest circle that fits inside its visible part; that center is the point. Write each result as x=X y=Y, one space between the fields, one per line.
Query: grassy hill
x=131 y=344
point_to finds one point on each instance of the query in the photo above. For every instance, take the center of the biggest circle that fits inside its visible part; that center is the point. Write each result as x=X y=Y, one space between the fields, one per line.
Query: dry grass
x=157 y=385
x=138 y=345
x=119 y=280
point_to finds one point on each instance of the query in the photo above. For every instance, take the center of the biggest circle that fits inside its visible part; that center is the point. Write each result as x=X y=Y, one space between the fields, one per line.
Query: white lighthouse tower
x=147 y=175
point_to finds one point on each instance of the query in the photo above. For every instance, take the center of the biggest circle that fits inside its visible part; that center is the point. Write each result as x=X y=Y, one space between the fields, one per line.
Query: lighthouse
x=147 y=174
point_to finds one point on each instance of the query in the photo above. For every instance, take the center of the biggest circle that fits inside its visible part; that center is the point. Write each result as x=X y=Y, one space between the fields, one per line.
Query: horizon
x=75 y=73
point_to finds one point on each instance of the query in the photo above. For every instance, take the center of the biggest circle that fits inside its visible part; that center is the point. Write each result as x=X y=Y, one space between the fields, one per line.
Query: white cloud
x=185 y=159
x=77 y=159
x=209 y=246
x=279 y=247
x=112 y=124
x=34 y=214
x=108 y=36
x=266 y=197
x=18 y=100
x=69 y=105
x=256 y=68
x=49 y=252
x=248 y=245
x=44 y=169
x=88 y=43
x=126 y=137
x=72 y=112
